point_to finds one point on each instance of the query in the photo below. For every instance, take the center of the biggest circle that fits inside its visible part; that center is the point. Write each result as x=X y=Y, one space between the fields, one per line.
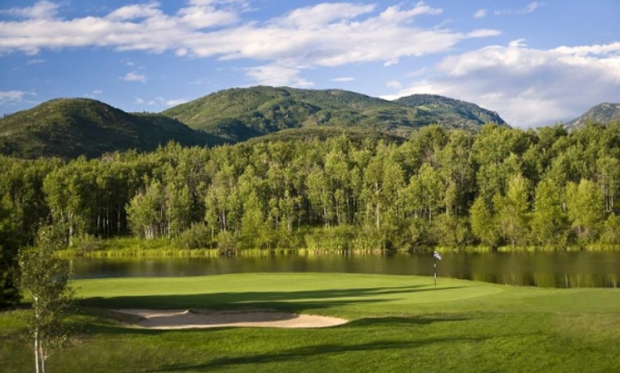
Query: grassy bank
x=398 y=324
x=129 y=247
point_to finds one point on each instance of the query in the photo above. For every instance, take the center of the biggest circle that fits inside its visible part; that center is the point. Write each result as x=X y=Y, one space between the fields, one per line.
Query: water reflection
x=549 y=269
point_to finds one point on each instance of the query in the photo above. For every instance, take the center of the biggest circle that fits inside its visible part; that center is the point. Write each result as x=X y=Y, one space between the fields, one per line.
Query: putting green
x=291 y=291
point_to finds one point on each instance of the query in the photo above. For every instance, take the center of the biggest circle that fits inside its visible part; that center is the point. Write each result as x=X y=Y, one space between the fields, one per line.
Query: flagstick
x=435 y=270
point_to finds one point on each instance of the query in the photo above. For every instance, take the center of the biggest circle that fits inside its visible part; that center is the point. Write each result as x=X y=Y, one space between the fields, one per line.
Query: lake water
x=544 y=269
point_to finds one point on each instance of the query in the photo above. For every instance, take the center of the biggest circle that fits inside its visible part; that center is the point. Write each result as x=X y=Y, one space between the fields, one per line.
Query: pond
x=543 y=269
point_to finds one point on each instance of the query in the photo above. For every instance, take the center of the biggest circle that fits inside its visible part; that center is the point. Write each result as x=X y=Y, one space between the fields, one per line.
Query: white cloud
x=344 y=79
x=321 y=15
x=14 y=97
x=604 y=49
x=176 y=102
x=133 y=77
x=35 y=61
x=483 y=33
x=94 y=93
x=528 y=87
x=203 y=16
x=349 y=33
x=395 y=84
x=418 y=72
x=40 y=10
x=532 y=7
x=529 y=8
x=157 y=101
x=481 y=13
x=277 y=75
x=137 y=11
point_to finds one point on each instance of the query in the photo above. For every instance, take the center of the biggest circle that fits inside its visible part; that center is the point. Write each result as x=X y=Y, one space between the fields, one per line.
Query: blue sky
x=534 y=62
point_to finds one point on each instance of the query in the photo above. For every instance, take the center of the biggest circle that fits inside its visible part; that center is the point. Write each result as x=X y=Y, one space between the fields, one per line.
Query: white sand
x=185 y=319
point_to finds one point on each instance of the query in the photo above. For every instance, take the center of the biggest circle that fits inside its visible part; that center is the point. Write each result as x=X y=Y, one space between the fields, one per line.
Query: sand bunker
x=186 y=319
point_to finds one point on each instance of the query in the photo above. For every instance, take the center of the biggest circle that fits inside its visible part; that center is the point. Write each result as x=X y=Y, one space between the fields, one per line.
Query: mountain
x=602 y=113
x=68 y=128
x=239 y=114
x=448 y=111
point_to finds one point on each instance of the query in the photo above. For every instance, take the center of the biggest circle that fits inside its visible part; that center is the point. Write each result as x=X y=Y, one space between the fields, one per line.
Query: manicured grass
x=398 y=324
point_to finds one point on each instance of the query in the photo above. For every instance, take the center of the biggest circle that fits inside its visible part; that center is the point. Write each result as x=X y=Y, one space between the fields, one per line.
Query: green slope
x=68 y=128
x=449 y=112
x=243 y=113
x=358 y=135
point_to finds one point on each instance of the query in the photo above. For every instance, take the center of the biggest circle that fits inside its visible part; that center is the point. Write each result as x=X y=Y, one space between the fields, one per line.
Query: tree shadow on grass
x=293 y=302
x=284 y=300
x=331 y=349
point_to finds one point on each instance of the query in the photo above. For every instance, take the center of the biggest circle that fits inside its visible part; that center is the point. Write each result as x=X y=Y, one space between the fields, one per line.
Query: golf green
x=396 y=324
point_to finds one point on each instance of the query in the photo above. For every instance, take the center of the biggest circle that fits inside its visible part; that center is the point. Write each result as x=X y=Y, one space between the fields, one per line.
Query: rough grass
x=398 y=324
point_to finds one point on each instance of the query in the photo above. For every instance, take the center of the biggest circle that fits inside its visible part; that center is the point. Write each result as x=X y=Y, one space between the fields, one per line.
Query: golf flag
x=436 y=255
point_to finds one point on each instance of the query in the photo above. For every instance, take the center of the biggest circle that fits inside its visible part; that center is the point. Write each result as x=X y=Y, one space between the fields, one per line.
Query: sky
x=535 y=63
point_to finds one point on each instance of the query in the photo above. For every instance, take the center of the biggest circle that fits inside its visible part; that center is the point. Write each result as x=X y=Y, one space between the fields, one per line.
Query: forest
x=493 y=188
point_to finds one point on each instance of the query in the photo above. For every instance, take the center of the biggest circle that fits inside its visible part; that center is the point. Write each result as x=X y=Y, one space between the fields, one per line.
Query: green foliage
x=226 y=243
x=354 y=134
x=549 y=221
x=611 y=230
x=45 y=278
x=498 y=187
x=483 y=223
x=196 y=237
x=585 y=208
x=452 y=231
x=512 y=211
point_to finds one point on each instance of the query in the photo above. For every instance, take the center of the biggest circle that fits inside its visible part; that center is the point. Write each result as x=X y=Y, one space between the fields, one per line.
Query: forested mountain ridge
x=449 y=112
x=242 y=113
x=601 y=113
x=70 y=127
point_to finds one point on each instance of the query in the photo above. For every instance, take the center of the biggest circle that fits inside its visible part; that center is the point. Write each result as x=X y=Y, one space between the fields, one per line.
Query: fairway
x=396 y=324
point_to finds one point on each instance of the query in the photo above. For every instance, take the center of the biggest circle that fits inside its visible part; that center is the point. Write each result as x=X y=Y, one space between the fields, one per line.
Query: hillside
x=602 y=113
x=242 y=113
x=356 y=135
x=68 y=128
x=448 y=111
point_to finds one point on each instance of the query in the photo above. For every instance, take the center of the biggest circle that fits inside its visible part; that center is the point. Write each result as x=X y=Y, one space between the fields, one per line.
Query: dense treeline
x=498 y=187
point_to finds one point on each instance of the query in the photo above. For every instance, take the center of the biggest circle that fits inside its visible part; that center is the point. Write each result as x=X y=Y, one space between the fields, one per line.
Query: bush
x=197 y=236
x=226 y=243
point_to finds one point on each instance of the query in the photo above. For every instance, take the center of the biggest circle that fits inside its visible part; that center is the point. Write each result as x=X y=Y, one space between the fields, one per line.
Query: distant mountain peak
x=243 y=113
x=603 y=113
x=458 y=110
x=70 y=127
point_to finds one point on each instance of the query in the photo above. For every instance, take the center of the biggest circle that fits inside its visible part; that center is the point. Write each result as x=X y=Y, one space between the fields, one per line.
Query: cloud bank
x=527 y=86
x=282 y=46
